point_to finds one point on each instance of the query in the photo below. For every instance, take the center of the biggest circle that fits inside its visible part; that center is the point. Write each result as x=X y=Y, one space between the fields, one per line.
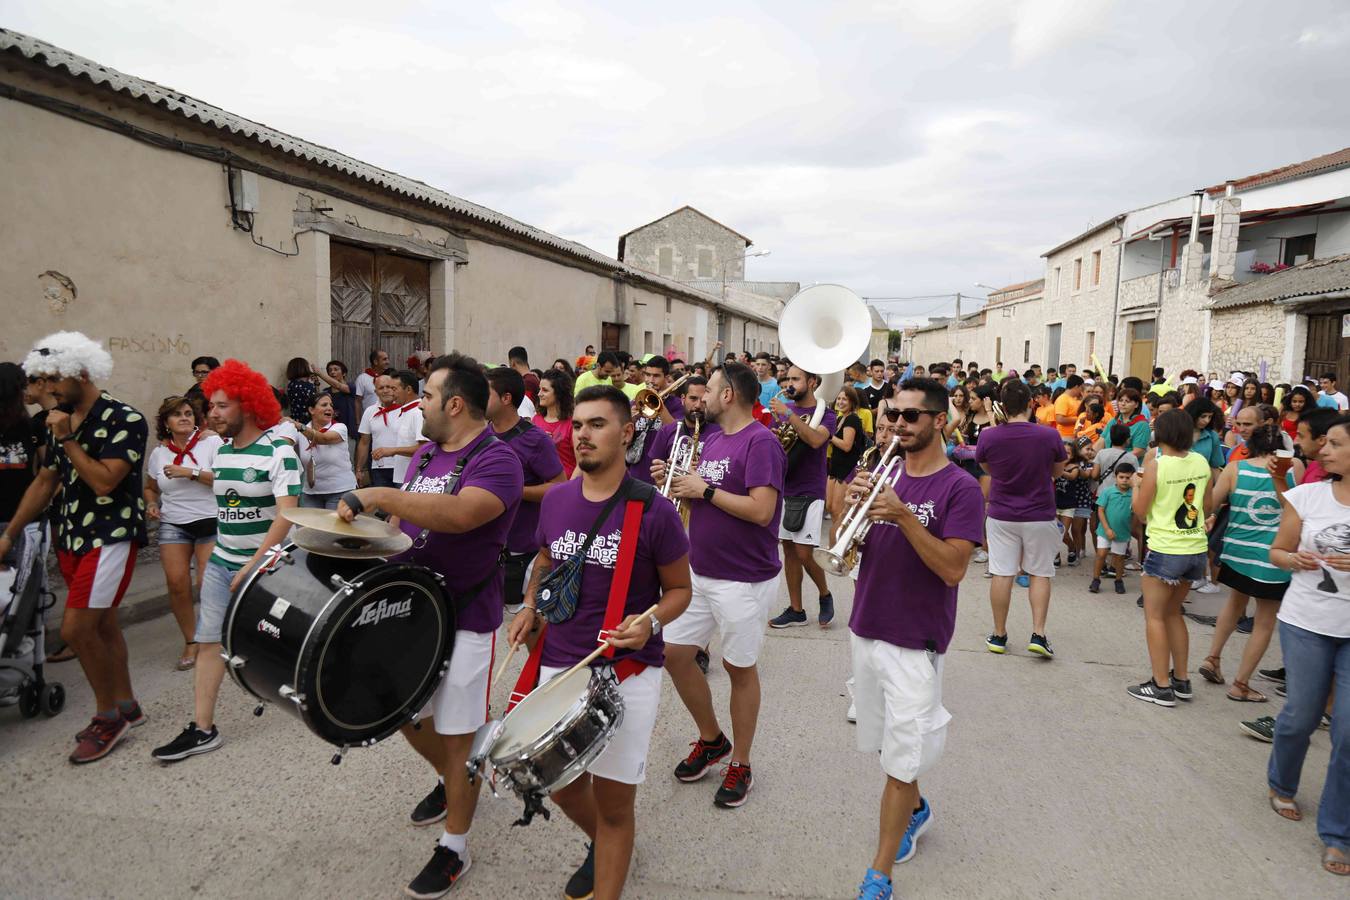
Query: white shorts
x=460 y=704
x=1016 y=547
x=898 y=696
x=1120 y=548
x=810 y=532
x=737 y=611
x=624 y=758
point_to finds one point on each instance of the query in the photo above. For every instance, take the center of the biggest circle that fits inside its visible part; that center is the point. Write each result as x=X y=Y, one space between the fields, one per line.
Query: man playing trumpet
x=904 y=611
x=638 y=456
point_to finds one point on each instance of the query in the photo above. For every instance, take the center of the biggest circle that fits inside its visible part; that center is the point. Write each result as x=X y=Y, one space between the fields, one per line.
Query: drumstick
x=591 y=657
x=497 y=676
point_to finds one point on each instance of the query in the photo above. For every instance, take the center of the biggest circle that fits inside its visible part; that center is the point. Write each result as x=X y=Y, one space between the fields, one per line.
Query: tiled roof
x=191 y=108
x=1326 y=162
x=1312 y=278
x=699 y=212
x=1005 y=294
x=1114 y=220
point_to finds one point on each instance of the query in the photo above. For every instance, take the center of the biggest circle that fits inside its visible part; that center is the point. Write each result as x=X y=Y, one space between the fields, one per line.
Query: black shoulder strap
x=451 y=483
x=522 y=425
x=639 y=490
x=621 y=494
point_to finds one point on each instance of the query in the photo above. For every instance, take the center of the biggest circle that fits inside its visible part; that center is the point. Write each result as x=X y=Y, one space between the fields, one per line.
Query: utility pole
x=958 y=308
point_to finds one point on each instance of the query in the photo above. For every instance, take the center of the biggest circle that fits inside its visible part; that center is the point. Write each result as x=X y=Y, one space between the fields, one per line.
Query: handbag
x=794 y=512
x=559 y=590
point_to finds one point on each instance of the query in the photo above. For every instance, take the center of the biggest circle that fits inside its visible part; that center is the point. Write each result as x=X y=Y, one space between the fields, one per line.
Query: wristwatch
x=708 y=493
x=656 y=625
x=195 y=472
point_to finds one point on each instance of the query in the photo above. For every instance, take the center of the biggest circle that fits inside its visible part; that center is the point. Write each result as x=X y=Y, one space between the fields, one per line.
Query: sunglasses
x=910 y=415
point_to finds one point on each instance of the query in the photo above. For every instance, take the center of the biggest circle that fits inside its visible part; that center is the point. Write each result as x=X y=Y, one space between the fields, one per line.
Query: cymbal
x=326 y=543
x=367 y=527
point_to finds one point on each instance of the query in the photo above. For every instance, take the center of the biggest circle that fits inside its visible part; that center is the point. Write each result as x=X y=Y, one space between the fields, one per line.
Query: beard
x=919 y=441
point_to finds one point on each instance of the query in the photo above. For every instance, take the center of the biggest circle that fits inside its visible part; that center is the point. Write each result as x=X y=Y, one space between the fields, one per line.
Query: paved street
x=1054 y=782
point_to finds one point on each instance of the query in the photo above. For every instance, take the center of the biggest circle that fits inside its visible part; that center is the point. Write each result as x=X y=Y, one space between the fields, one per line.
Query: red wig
x=250 y=388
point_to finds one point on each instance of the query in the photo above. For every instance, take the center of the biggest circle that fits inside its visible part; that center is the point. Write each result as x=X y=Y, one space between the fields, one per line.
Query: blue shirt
x=767 y=391
x=1327 y=402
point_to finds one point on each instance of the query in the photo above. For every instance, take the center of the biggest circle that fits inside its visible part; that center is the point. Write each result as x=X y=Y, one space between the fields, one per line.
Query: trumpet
x=683 y=460
x=843 y=555
x=647 y=402
x=997 y=413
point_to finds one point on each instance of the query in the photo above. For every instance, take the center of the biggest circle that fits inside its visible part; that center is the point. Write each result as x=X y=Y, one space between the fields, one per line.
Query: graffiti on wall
x=151 y=343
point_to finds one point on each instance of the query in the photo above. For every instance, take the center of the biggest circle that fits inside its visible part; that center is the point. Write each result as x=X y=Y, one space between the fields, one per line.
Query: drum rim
x=227 y=633
x=444 y=614
x=575 y=767
x=573 y=714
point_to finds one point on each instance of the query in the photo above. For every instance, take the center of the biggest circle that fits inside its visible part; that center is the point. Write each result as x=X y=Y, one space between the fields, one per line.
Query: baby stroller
x=24 y=599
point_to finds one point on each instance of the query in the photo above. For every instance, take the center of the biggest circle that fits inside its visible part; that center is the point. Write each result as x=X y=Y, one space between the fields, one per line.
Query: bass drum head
x=378 y=656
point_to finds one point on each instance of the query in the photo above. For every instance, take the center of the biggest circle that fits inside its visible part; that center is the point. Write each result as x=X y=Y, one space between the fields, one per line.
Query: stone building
x=1248 y=271
x=168 y=228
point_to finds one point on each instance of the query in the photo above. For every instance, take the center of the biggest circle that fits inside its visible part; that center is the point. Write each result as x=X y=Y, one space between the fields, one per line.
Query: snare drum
x=352 y=649
x=551 y=736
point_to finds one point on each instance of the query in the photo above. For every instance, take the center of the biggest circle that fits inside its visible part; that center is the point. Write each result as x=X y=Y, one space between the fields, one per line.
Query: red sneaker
x=99 y=739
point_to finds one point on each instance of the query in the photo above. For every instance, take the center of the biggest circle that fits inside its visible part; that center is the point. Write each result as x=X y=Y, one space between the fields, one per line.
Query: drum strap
x=618 y=597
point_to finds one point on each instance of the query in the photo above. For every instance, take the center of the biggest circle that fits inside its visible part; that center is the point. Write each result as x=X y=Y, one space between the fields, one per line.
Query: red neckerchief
x=311 y=444
x=371 y=372
x=179 y=453
x=384 y=411
x=1138 y=417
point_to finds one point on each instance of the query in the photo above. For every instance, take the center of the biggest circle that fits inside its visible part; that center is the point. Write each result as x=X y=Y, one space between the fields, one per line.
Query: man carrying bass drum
x=457 y=504
x=601 y=801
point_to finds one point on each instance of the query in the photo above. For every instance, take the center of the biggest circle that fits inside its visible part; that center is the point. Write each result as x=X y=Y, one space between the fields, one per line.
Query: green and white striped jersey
x=248 y=481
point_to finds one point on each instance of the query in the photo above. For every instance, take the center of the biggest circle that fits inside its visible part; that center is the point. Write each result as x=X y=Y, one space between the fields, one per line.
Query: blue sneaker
x=1023 y=581
x=875 y=886
x=918 y=824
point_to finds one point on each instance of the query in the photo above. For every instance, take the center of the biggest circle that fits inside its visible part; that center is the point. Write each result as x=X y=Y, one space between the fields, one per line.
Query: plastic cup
x=1284 y=459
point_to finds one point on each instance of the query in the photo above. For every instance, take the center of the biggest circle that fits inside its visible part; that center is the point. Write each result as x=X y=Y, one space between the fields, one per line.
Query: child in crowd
x=1113 y=526
x=1069 y=496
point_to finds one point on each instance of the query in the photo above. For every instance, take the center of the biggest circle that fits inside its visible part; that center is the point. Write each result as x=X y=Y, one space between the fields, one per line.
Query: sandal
x=1337 y=858
x=1286 y=808
x=1247 y=695
x=1209 y=672
x=65 y=654
x=188 y=659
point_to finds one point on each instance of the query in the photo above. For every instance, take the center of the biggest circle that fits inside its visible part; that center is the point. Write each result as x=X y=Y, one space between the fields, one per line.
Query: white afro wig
x=66 y=354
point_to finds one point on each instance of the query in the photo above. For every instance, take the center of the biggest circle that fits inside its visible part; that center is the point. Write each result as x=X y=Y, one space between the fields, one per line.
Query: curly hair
x=170 y=406
x=250 y=388
x=66 y=354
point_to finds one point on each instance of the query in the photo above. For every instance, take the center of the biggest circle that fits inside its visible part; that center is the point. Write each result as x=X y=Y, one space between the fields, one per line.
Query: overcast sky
x=901 y=148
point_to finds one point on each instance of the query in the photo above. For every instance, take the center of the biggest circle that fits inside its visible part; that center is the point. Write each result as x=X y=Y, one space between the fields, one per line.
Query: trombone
x=647 y=402
x=840 y=558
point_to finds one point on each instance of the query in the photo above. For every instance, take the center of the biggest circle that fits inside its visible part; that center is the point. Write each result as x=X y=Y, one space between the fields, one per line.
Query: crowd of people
x=1193 y=484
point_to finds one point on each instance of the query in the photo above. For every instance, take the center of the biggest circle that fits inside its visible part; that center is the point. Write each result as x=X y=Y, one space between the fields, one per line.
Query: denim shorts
x=1174 y=568
x=174 y=534
x=215 y=601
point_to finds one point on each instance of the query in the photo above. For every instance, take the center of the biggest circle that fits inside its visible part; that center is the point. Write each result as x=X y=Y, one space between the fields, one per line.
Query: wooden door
x=1328 y=347
x=1142 y=341
x=378 y=299
x=609 y=336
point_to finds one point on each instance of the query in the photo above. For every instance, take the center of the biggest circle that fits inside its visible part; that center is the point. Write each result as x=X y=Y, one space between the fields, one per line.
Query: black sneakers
x=581 y=886
x=1095 y=586
x=189 y=743
x=1040 y=645
x=702 y=757
x=701 y=659
x=997 y=643
x=826 y=610
x=788 y=618
x=1273 y=675
x=439 y=874
x=1149 y=692
x=735 y=789
x=1181 y=688
x=432 y=807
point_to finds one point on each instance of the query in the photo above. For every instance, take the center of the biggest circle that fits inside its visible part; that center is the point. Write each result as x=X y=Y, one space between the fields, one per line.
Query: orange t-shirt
x=1240 y=452
x=1066 y=405
x=1046 y=415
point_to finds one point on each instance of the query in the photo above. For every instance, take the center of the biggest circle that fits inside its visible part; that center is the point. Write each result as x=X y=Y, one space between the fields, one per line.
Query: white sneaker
x=852 y=714
x=1205 y=587
x=1133 y=566
x=981 y=556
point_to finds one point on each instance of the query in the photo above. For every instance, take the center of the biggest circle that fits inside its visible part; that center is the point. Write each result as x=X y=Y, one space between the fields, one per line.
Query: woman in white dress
x=325 y=461
x=178 y=494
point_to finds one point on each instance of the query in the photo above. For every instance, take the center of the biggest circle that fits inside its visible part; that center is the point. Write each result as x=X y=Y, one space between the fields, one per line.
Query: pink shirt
x=560 y=432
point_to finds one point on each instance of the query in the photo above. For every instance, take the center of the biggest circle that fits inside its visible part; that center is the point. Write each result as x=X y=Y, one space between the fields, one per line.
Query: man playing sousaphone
x=582 y=520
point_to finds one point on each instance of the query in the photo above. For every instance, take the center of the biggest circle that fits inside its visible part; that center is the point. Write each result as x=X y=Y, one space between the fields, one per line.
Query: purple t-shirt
x=466 y=559
x=564 y=516
x=665 y=439
x=899 y=599
x=1020 y=457
x=540 y=463
x=648 y=431
x=724 y=546
x=806 y=477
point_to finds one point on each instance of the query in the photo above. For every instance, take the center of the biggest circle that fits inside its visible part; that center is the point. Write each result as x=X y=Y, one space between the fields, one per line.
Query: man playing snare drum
x=601 y=801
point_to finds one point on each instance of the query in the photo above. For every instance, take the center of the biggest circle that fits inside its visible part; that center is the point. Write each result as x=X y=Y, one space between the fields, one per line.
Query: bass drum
x=354 y=650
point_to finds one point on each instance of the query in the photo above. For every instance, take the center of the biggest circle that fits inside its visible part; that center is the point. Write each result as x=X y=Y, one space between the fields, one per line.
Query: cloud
x=899 y=147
